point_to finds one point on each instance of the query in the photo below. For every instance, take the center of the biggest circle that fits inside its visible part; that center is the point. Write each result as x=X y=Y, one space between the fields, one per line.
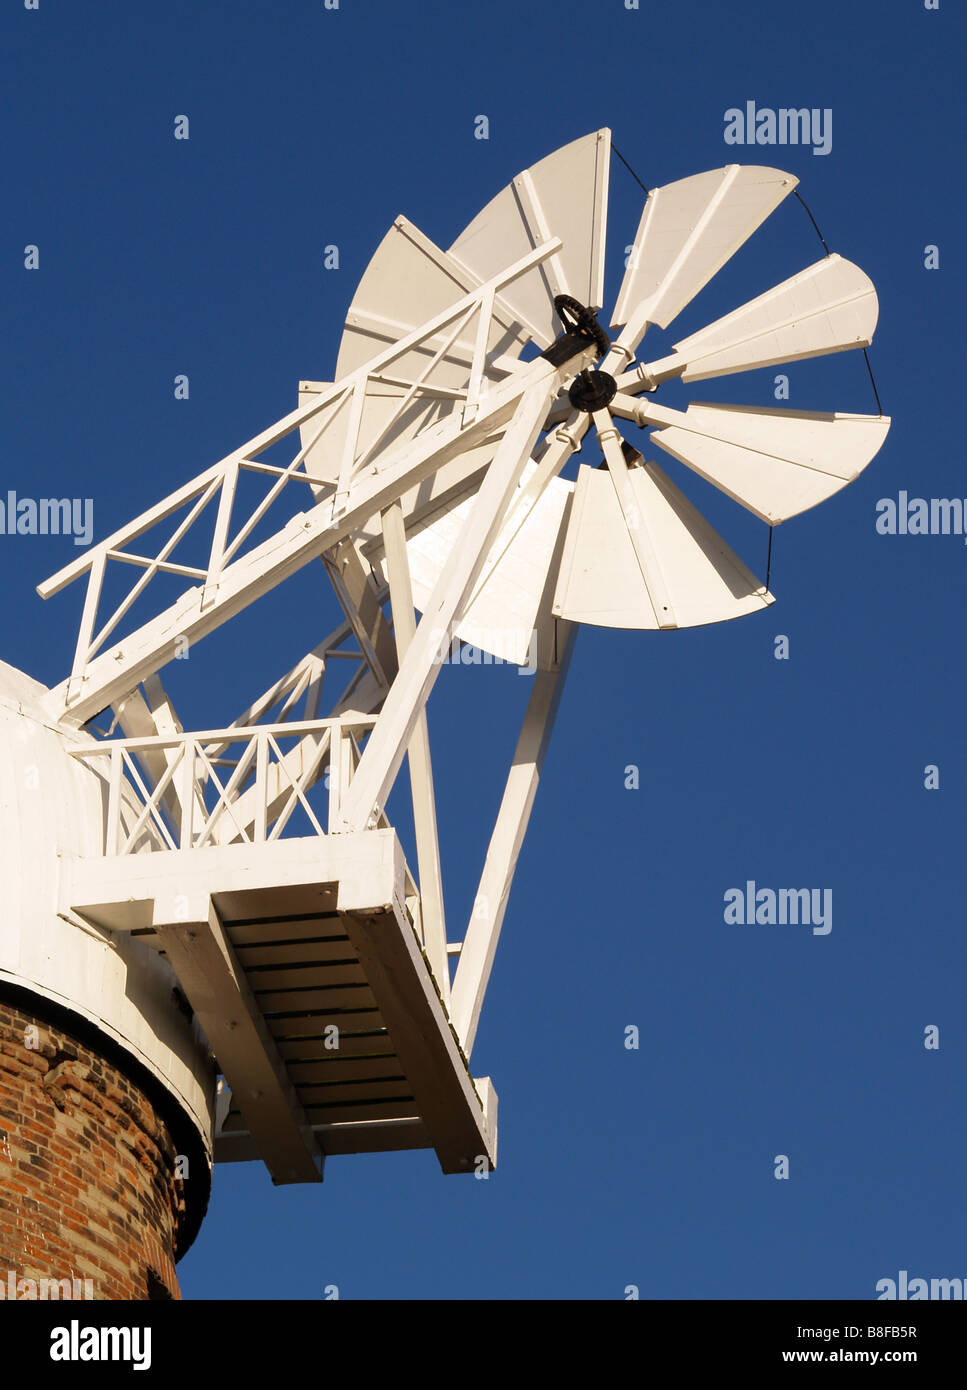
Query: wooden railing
x=226 y=786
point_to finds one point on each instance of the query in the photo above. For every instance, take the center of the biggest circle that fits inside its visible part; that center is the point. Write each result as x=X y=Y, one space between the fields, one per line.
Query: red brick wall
x=88 y=1175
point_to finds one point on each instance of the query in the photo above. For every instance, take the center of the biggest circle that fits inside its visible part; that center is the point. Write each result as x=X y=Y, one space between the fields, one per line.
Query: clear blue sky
x=311 y=127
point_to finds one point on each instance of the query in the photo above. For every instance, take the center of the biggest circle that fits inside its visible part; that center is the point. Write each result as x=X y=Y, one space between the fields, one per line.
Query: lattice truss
x=426 y=477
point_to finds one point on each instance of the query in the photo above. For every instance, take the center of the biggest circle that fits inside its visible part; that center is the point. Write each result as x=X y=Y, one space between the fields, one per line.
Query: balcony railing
x=226 y=786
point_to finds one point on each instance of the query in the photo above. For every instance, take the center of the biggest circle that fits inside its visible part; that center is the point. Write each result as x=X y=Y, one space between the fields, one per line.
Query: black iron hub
x=592 y=390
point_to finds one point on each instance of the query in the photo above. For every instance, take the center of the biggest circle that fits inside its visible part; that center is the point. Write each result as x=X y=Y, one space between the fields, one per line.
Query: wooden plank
x=373 y=1136
x=337 y=1068
x=312 y=1048
x=315 y=1000
x=314 y=1023
x=276 y=903
x=317 y=975
x=343 y=1092
x=296 y=952
x=261 y=932
x=382 y=1110
x=376 y=1099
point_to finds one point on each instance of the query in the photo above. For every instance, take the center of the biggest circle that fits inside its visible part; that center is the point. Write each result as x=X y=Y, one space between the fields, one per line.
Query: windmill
x=319 y=967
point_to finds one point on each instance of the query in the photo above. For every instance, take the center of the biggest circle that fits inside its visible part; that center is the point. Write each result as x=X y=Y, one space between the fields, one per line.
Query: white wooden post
x=418 y=755
x=261 y=787
x=189 y=793
x=483 y=930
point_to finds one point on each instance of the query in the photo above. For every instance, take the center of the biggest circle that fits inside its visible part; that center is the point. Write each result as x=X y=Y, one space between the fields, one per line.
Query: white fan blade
x=775 y=462
x=829 y=307
x=508 y=614
x=564 y=195
x=408 y=281
x=688 y=230
x=601 y=580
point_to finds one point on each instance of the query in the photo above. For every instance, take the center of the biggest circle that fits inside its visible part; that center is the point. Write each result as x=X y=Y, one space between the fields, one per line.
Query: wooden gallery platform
x=303 y=962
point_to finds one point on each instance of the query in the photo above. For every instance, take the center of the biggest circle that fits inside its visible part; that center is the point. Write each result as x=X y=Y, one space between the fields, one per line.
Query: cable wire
x=813 y=221
x=629 y=168
x=866 y=355
x=873 y=381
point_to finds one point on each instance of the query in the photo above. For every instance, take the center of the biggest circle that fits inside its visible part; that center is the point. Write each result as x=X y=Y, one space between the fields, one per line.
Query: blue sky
x=311 y=127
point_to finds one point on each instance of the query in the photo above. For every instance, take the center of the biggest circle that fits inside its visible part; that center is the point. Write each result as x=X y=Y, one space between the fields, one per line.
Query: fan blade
x=829 y=307
x=508 y=610
x=508 y=613
x=688 y=230
x=564 y=195
x=601 y=579
x=408 y=280
x=776 y=463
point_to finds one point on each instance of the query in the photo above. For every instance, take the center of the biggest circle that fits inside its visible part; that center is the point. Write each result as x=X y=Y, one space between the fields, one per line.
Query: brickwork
x=89 y=1181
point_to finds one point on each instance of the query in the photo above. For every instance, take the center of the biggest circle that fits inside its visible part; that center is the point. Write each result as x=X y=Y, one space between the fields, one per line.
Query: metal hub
x=592 y=390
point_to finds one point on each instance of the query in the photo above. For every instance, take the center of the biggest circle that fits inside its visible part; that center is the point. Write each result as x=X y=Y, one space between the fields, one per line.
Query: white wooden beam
x=461 y=1130
x=358 y=600
x=510 y=827
x=348 y=1137
x=536 y=222
x=119 y=894
x=209 y=973
x=418 y=757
